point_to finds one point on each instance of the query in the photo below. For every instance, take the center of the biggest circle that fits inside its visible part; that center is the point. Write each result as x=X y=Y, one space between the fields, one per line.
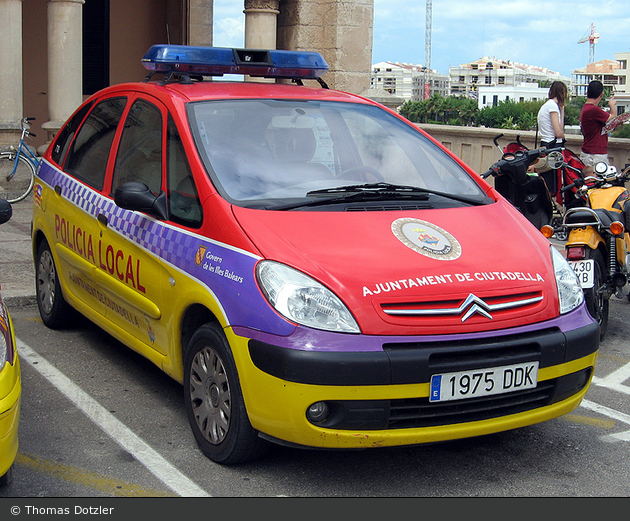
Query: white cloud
x=229 y=32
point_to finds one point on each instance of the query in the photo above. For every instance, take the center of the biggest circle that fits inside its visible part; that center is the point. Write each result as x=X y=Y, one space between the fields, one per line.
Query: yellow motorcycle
x=598 y=244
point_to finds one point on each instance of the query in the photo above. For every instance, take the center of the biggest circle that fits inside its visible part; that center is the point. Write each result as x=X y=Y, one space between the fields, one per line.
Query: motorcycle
x=556 y=169
x=598 y=244
x=522 y=186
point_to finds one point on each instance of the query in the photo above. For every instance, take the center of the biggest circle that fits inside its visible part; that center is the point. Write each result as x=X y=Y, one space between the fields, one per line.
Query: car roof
x=219 y=89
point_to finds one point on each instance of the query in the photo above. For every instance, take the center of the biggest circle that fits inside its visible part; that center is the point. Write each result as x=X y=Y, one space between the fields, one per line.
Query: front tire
x=214 y=400
x=596 y=297
x=56 y=313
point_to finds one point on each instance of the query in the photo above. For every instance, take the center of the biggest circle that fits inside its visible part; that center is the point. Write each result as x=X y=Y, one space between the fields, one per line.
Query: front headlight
x=303 y=300
x=569 y=291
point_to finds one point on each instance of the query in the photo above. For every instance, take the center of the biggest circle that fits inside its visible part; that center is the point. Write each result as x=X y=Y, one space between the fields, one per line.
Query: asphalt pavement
x=17 y=269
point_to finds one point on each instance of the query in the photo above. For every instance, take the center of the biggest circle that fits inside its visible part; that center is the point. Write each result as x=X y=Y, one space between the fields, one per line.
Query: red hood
x=383 y=264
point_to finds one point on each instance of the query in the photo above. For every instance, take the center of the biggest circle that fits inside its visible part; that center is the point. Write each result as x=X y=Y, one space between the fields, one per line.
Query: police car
x=314 y=269
x=10 y=382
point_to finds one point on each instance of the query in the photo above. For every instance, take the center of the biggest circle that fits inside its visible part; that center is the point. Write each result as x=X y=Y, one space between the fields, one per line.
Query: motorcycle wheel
x=596 y=298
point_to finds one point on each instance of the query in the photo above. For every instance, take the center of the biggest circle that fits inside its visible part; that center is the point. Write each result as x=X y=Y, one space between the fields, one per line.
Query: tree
x=455 y=110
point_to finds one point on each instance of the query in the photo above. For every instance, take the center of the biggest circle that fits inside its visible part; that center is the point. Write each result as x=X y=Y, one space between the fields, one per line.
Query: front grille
x=421 y=413
x=411 y=413
x=463 y=308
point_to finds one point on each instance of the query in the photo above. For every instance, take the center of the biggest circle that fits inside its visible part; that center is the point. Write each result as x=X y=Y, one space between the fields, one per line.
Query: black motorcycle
x=524 y=187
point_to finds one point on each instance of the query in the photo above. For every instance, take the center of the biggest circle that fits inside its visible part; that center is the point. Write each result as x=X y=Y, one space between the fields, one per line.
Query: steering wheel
x=355 y=171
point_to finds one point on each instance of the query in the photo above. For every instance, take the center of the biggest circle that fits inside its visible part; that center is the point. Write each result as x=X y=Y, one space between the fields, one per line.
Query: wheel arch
x=195 y=316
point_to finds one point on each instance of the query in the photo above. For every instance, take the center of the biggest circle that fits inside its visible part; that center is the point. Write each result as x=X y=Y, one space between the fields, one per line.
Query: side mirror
x=6 y=211
x=137 y=196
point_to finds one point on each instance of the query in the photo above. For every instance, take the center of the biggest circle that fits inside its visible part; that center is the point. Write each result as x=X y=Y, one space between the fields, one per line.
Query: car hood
x=418 y=272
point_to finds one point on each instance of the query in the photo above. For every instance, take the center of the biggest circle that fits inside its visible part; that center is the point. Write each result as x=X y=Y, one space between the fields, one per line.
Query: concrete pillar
x=200 y=15
x=65 y=62
x=340 y=30
x=260 y=23
x=11 y=102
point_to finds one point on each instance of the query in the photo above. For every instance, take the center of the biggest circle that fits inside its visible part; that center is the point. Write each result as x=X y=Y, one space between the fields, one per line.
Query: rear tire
x=56 y=313
x=214 y=400
x=20 y=185
x=596 y=297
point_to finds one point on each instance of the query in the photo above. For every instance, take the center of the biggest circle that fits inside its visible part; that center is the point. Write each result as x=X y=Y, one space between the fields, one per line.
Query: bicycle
x=17 y=168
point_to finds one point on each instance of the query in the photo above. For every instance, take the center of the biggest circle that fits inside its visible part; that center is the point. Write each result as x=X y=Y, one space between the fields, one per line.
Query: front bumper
x=380 y=397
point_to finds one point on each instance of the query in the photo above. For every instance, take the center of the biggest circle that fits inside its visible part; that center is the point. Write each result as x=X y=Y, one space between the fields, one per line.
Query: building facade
x=408 y=81
x=467 y=78
x=606 y=71
x=493 y=95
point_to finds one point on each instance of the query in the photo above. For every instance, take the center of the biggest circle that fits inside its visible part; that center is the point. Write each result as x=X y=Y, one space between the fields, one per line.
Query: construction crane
x=427 y=49
x=591 y=37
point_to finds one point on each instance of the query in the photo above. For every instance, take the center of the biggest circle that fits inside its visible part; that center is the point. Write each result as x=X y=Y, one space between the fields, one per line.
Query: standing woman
x=551 y=116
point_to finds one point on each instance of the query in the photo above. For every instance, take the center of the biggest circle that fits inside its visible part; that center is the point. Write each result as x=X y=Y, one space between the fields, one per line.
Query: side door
x=75 y=198
x=130 y=272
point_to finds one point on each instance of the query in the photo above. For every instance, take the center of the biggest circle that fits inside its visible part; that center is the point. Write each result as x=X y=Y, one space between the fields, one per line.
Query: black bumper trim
x=411 y=363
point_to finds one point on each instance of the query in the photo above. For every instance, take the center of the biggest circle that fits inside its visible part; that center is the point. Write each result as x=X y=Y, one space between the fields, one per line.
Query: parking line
x=79 y=476
x=118 y=431
x=611 y=413
x=615 y=380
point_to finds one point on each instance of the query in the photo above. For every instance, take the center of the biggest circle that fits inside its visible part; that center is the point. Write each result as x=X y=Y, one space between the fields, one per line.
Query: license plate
x=585 y=270
x=483 y=382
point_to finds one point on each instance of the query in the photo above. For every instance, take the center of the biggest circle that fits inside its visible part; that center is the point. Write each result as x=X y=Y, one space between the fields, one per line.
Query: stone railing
x=476 y=148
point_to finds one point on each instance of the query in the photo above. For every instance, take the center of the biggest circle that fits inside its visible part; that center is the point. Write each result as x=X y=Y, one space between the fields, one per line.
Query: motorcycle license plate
x=483 y=382
x=585 y=270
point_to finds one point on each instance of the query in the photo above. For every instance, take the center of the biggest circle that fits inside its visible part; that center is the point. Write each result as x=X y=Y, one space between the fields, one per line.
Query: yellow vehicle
x=10 y=382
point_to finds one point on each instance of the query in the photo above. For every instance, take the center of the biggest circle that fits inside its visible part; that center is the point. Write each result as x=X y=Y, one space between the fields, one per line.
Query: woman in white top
x=551 y=115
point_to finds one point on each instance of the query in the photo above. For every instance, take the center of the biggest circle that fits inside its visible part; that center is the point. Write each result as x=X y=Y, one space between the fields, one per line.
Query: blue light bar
x=217 y=61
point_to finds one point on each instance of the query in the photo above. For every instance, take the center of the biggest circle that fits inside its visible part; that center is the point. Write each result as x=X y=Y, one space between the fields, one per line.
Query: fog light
x=318 y=412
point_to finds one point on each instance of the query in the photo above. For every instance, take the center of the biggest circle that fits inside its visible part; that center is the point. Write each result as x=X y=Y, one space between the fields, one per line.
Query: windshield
x=280 y=153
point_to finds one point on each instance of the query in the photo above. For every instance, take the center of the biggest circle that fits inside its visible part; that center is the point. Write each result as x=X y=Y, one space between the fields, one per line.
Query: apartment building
x=467 y=78
x=606 y=71
x=408 y=81
x=493 y=95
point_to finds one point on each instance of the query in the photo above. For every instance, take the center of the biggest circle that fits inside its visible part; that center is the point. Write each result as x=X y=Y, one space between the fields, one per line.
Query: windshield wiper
x=389 y=190
x=372 y=188
x=373 y=192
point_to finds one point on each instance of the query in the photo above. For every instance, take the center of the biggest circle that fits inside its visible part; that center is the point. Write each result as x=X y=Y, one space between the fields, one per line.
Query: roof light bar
x=217 y=61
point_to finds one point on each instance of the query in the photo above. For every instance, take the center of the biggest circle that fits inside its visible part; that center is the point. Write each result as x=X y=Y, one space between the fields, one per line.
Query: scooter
x=598 y=245
x=524 y=188
x=556 y=172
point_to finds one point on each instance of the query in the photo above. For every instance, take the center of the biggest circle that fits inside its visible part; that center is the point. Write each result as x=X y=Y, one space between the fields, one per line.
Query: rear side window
x=88 y=156
x=64 y=138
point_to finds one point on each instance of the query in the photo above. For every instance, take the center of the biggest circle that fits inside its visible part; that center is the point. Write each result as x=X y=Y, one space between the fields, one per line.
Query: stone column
x=200 y=15
x=11 y=101
x=340 y=30
x=260 y=23
x=65 y=62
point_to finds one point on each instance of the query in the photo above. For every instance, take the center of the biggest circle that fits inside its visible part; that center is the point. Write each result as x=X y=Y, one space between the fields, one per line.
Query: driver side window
x=140 y=152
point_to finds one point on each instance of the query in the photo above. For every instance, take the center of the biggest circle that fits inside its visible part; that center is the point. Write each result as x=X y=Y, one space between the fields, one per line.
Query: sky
x=533 y=32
